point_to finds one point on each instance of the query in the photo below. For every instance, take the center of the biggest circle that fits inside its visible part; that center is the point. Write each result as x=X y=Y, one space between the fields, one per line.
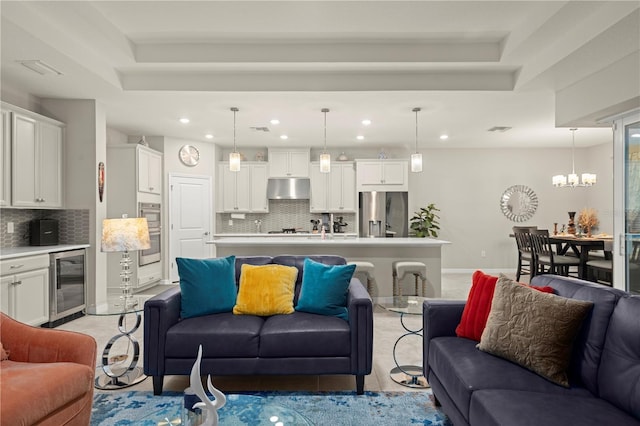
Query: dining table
x=580 y=245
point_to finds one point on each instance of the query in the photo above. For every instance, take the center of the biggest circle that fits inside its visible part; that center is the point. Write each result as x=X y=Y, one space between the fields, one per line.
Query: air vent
x=501 y=129
x=260 y=129
x=39 y=67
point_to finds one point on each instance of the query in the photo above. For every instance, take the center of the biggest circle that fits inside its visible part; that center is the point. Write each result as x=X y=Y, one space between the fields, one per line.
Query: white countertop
x=297 y=235
x=337 y=240
x=13 y=252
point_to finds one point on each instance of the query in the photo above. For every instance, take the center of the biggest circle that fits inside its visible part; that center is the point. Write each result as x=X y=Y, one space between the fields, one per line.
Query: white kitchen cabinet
x=36 y=153
x=149 y=171
x=342 y=188
x=382 y=175
x=244 y=191
x=24 y=289
x=289 y=163
x=5 y=159
x=333 y=192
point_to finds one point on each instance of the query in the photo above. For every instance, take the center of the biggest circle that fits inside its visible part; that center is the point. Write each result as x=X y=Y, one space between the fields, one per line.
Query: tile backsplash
x=282 y=214
x=73 y=225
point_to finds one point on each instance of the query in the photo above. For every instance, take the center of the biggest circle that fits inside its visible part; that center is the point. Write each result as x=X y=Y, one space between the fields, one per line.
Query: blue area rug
x=320 y=408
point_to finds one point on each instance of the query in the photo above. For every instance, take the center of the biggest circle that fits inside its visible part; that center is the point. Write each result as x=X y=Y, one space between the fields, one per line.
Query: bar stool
x=401 y=268
x=367 y=269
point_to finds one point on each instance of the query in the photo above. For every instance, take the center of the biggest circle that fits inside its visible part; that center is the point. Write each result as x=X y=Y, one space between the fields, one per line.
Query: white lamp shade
x=573 y=179
x=588 y=179
x=234 y=161
x=559 y=180
x=125 y=234
x=325 y=163
x=416 y=163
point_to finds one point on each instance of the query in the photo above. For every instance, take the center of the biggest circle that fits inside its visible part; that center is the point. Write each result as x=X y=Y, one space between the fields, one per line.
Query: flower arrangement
x=588 y=219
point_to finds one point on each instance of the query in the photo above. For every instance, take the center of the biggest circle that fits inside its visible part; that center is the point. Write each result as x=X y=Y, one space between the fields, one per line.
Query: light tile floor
x=387 y=329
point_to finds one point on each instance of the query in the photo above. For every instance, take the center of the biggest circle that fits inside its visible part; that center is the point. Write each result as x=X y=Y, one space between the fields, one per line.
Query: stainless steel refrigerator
x=383 y=214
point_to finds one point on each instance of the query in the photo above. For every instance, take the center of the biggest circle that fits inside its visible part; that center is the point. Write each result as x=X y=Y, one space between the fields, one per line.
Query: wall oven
x=152 y=212
x=67 y=284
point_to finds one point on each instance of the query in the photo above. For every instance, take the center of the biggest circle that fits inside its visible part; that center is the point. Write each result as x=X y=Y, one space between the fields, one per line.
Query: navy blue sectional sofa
x=476 y=388
x=299 y=343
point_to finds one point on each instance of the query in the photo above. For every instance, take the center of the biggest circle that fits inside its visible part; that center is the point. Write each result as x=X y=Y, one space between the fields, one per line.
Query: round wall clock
x=189 y=155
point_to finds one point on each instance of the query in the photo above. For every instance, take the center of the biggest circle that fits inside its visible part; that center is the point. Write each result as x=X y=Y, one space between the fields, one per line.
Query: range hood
x=288 y=189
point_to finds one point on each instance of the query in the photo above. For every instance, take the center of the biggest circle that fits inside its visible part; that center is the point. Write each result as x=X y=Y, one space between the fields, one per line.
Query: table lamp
x=123 y=235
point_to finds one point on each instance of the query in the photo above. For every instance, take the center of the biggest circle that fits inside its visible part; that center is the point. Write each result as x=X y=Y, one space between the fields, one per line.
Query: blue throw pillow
x=208 y=286
x=325 y=288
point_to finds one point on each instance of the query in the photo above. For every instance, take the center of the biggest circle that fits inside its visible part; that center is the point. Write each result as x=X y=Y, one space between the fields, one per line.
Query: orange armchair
x=48 y=378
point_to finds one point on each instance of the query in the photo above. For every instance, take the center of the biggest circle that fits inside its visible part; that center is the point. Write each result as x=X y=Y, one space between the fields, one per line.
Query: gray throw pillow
x=533 y=329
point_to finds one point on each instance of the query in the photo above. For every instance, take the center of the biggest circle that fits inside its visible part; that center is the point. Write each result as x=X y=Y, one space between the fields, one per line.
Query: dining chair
x=546 y=260
x=601 y=270
x=525 y=255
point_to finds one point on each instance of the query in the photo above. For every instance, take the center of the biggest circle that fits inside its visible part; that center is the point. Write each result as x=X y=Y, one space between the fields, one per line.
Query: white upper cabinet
x=333 y=192
x=382 y=175
x=36 y=145
x=342 y=188
x=245 y=190
x=149 y=171
x=319 y=189
x=5 y=159
x=284 y=163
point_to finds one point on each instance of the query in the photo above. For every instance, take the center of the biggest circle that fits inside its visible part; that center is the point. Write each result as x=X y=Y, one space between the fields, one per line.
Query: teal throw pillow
x=208 y=286
x=325 y=288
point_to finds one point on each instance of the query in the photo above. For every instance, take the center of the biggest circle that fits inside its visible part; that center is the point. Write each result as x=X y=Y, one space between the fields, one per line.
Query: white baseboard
x=471 y=271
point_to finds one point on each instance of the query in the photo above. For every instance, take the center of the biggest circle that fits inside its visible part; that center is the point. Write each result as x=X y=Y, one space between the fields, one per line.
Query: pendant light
x=234 y=157
x=416 y=159
x=325 y=159
x=572 y=180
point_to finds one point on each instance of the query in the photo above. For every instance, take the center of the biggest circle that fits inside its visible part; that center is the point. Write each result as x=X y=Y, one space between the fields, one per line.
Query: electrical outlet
x=230 y=222
x=483 y=253
x=10 y=229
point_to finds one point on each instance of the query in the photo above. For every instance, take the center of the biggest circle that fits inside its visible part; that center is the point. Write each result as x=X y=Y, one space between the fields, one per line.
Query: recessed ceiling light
x=184 y=120
x=208 y=136
x=360 y=137
x=284 y=137
x=444 y=137
x=366 y=122
x=635 y=135
x=275 y=121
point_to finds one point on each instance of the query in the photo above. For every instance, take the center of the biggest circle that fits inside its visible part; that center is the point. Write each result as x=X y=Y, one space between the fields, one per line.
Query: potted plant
x=424 y=223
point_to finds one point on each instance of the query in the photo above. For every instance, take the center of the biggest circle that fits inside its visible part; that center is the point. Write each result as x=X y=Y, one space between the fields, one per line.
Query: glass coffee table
x=239 y=410
x=407 y=375
x=115 y=373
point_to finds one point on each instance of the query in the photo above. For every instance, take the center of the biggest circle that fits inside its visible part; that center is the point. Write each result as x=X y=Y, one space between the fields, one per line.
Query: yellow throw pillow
x=266 y=290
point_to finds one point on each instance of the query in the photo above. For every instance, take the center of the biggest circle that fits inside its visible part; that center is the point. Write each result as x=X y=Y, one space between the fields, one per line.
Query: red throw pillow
x=476 y=311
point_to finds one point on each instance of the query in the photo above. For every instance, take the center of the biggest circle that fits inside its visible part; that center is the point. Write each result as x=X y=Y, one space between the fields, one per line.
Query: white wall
x=467 y=185
x=85 y=147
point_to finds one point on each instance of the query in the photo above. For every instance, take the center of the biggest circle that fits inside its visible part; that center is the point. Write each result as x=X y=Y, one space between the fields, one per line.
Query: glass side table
x=407 y=375
x=114 y=373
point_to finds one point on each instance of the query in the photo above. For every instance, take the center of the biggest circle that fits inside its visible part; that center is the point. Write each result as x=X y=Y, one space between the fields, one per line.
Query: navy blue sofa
x=299 y=343
x=476 y=388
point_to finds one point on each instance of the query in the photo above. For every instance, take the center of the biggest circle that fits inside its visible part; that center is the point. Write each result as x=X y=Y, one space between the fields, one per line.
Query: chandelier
x=572 y=180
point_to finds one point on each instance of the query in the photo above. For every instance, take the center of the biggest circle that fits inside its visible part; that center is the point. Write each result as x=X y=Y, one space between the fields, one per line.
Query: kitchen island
x=379 y=251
